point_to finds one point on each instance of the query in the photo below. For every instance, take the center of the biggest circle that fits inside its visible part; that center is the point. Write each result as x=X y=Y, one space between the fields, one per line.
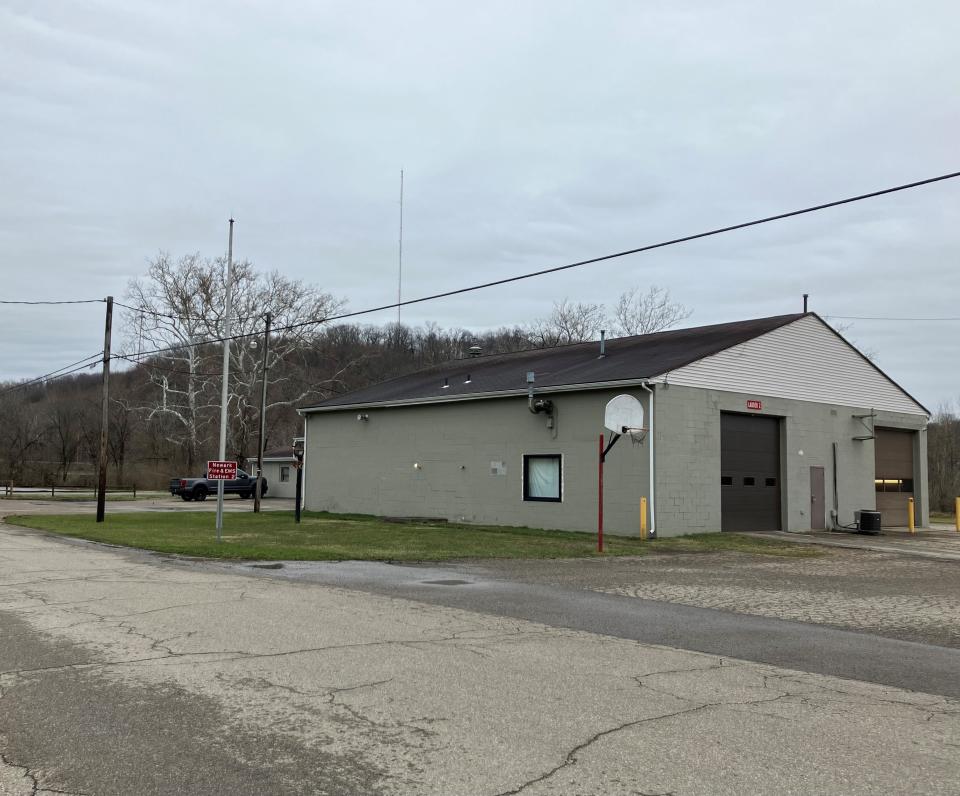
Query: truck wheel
x=200 y=493
x=187 y=498
x=244 y=495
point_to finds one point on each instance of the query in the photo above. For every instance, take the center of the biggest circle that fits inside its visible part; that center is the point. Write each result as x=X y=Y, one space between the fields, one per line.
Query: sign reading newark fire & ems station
x=221 y=471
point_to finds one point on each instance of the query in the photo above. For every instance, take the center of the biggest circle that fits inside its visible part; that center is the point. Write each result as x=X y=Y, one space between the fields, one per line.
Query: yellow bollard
x=643 y=517
x=910 y=524
x=956 y=513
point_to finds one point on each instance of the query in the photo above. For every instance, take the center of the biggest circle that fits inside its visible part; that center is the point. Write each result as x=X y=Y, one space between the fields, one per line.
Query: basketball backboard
x=623 y=414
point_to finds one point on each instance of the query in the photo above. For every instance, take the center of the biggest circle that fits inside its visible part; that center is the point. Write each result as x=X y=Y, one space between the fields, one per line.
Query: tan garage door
x=894 y=474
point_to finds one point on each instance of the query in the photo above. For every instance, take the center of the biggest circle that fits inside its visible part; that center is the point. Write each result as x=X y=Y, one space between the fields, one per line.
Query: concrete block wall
x=368 y=466
x=688 y=456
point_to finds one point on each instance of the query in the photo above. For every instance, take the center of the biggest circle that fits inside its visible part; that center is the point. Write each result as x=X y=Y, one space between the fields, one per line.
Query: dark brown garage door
x=749 y=473
x=893 y=449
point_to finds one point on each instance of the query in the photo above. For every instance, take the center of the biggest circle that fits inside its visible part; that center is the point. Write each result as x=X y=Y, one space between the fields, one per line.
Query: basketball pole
x=600 y=498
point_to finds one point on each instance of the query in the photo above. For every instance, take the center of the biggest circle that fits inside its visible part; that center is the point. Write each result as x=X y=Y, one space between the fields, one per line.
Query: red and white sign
x=755 y=404
x=222 y=471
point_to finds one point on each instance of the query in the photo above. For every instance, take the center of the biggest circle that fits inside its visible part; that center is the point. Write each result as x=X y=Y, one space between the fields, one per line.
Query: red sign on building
x=754 y=404
x=222 y=471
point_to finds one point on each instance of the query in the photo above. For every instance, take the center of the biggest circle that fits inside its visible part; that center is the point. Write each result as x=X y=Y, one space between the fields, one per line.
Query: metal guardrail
x=11 y=490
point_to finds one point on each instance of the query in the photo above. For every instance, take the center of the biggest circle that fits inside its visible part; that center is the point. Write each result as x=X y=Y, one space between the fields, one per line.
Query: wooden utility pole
x=257 y=492
x=105 y=414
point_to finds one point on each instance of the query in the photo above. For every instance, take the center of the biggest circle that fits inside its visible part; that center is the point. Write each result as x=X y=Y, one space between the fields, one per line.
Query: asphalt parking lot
x=883 y=593
x=125 y=672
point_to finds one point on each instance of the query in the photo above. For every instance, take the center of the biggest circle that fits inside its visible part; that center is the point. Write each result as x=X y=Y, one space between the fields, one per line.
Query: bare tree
x=21 y=432
x=66 y=432
x=569 y=322
x=640 y=312
x=180 y=309
x=172 y=305
x=943 y=458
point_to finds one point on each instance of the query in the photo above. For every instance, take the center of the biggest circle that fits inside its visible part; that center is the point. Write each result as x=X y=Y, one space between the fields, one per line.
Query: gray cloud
x=531 y=134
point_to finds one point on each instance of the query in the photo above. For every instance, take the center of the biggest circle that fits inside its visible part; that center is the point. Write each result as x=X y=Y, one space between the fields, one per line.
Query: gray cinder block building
x=772 y=423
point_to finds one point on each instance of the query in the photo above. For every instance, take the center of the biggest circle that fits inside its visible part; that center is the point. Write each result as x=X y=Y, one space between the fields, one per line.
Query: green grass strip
x=338 y=537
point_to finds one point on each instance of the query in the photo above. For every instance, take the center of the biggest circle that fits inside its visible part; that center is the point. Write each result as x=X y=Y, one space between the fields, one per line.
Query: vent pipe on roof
x=603 y=343
x=805 y=297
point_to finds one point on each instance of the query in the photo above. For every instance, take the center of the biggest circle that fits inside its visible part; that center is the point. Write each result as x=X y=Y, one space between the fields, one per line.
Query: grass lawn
x=939 y=516
x=76 y=497
x=338 y=537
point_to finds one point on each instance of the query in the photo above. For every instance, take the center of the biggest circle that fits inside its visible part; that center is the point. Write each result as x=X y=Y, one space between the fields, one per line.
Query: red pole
x=600 y=499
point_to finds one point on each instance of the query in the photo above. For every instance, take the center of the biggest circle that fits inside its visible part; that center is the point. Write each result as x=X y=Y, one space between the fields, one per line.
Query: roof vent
x=446 y=383
x=468 y=379
x=475 y=350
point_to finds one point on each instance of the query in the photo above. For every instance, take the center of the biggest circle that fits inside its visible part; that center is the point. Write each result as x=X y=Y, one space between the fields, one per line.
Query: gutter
x=477 y=396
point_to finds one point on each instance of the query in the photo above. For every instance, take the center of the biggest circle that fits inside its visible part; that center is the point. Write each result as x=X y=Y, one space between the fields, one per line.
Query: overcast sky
x=531 y=134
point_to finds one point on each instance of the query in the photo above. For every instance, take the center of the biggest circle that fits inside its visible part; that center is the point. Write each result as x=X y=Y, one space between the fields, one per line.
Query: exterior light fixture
x=363 y=416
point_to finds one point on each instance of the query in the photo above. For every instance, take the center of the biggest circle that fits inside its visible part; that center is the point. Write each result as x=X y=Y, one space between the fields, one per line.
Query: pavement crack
x=571 y=756
x=36 y=787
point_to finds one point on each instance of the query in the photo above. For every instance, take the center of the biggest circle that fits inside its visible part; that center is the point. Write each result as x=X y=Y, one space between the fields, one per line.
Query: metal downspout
x=303 y=466
x=650 y=435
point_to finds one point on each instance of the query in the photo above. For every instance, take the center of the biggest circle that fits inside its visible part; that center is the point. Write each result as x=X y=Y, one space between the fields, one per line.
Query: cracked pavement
x=887 y=594
x=122 y=673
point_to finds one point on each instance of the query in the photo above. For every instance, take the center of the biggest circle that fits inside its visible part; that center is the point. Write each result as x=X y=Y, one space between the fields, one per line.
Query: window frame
x=284 y=476
x=527 y=497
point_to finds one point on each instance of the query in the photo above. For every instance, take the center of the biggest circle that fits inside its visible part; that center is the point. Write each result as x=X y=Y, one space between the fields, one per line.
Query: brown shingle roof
x=627 y=358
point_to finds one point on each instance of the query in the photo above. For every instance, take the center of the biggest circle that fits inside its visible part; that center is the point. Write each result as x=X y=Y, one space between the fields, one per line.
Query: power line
x=79 y=301
x=179 y=316
x=591 y=261
x=56 y=374
x=167 y=368
x=884 y=318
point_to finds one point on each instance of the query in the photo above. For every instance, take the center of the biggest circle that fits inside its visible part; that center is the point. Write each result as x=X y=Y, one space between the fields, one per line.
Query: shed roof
x=626 y=359
x=277 y=454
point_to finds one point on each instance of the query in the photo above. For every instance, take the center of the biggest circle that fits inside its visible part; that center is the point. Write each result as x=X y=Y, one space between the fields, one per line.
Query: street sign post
x=221 y=471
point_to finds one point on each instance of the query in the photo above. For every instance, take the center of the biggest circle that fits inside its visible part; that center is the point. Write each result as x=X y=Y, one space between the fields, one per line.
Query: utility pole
x=400 y=256
x=257 y=492
x=224 y=394
x=105 y=414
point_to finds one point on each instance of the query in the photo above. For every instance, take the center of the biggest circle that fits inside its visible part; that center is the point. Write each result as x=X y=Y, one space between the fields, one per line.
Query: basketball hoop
x=624 y=415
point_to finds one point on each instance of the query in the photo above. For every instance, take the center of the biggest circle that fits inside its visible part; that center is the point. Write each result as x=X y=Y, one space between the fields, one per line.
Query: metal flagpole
x=224 y=394
x=400 y=256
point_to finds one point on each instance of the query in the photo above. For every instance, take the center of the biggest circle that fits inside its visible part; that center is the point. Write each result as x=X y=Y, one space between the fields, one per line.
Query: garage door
x=749 y=473
x=893 y=450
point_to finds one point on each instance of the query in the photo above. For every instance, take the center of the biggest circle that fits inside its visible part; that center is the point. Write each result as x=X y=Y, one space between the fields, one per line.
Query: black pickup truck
x=199 y=488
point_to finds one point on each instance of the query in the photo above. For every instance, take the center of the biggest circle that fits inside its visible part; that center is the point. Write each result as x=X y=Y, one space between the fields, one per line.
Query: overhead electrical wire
x=579 y=263
x=176 y=316
x=78 y=301
x=57 y=374
x=884 y=318
x=517 y=278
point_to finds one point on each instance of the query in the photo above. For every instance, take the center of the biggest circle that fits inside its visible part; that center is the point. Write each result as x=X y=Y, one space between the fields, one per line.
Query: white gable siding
x=803 y=360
